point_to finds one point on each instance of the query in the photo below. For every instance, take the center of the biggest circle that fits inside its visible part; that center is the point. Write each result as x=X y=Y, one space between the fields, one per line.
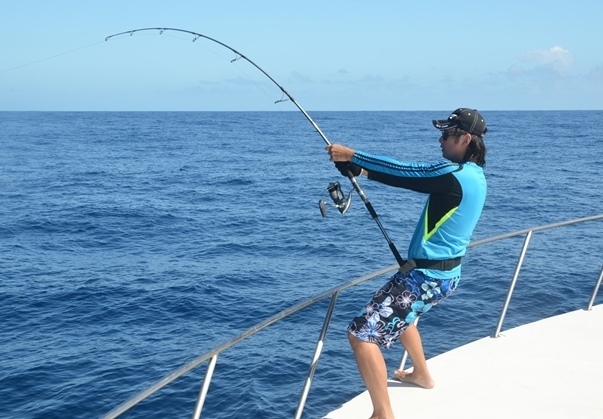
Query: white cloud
x=557 y=58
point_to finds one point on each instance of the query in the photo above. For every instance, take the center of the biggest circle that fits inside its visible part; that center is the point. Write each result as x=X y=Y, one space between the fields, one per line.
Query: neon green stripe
x=446 y=216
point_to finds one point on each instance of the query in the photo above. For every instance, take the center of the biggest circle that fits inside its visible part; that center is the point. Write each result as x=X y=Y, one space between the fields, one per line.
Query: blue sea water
x=132 y=243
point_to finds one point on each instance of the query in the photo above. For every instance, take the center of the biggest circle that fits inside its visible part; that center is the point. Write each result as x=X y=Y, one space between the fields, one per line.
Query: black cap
x=466 y=119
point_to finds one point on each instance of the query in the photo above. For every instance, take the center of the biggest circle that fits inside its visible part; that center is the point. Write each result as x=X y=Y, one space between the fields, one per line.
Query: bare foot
x=381 y=417
x=409 y=377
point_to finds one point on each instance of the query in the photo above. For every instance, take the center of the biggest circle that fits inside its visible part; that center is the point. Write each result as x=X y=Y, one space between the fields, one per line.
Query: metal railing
x=212 y=355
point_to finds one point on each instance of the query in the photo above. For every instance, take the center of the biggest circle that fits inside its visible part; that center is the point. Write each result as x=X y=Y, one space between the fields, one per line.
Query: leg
x=374 y=374
x=411 y=339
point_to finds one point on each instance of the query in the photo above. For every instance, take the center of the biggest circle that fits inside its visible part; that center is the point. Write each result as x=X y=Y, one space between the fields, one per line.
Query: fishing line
x=49 y=58
x=337 y=197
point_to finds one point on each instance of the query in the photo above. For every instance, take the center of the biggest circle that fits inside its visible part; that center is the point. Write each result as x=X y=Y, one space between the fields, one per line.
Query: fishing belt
x=440 y=265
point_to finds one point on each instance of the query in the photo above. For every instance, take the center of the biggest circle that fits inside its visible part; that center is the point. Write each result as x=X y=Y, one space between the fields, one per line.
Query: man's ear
x=466 y=139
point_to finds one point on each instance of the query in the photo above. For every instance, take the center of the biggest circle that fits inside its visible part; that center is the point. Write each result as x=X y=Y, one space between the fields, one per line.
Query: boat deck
x=551 y=368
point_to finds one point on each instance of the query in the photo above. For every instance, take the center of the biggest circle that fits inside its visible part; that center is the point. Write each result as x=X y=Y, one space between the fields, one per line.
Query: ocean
x=133 y=242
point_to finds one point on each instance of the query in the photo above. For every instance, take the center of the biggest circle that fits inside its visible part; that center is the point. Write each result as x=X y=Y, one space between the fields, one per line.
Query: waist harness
x=440 y=265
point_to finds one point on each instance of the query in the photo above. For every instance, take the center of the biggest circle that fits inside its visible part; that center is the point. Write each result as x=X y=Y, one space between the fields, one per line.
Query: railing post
x=317 y=351
x=205 y=386
x=526 y=242
x=595 y=291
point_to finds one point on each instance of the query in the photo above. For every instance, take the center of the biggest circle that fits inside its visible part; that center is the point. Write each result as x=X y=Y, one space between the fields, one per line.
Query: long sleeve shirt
x=456 y=196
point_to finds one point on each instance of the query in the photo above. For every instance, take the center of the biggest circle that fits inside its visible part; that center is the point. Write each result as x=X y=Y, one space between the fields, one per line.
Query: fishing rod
x=340 y=201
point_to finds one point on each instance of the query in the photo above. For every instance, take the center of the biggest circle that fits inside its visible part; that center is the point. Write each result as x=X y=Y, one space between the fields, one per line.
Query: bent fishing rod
x=337 y=196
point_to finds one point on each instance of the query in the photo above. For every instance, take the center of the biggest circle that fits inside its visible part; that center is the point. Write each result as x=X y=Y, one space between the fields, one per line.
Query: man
x=456 y=190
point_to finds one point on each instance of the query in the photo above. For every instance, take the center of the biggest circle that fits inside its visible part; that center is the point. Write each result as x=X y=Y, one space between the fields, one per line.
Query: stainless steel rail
x=522 y=255
x=528 y=232
x=333 y=293
x=595 y=291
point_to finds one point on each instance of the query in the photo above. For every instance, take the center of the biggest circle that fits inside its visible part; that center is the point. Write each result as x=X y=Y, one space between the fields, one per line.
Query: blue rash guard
x=457 y=193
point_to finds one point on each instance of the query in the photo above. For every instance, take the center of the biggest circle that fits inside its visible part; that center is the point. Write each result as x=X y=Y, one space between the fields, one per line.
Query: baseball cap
x=466 y=119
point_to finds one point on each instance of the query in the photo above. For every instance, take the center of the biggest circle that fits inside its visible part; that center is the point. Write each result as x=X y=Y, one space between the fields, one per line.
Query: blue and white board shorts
x=397 y=304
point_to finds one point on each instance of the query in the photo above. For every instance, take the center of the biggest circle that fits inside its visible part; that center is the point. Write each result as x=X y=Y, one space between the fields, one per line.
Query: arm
x=427 y=178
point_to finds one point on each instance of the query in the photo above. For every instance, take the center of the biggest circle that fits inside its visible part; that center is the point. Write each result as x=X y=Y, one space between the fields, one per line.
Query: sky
x=330 y=55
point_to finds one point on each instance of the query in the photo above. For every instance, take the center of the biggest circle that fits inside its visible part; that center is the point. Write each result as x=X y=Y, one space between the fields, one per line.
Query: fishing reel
x=340 y=201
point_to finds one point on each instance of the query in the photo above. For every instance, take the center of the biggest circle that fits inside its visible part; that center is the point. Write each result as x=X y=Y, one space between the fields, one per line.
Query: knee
x=354 y=341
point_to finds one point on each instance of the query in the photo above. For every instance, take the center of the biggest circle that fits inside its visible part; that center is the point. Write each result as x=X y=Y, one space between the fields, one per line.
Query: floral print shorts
x=397 y=304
